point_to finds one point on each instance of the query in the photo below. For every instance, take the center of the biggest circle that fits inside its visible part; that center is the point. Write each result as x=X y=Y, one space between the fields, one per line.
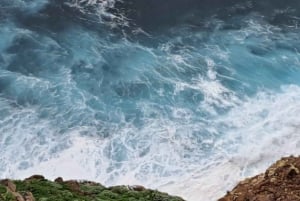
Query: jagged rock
x=281 y=182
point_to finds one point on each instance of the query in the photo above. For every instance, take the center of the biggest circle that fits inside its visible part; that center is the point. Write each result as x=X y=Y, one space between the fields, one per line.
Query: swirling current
x=187 y=97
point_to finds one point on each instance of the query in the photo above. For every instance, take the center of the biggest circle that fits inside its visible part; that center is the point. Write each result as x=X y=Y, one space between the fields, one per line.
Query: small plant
x=8 y=196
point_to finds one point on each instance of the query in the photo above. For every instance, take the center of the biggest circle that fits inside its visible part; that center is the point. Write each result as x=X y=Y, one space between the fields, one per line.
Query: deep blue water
x=158 y=93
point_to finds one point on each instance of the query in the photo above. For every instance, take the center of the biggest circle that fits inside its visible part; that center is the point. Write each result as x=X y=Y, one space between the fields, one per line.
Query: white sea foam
x=256 y=133
x=76 y=123
x=102 y=9
x=262 y=130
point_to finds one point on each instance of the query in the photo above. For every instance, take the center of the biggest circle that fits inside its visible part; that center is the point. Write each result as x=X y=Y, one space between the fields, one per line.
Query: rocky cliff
x=280 y=182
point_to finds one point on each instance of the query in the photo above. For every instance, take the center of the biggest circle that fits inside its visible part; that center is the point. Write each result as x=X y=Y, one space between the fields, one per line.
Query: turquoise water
x=162 y=94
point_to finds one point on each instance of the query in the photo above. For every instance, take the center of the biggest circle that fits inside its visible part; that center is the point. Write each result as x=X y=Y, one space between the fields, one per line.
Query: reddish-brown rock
x=281 y=182
x=35 y=177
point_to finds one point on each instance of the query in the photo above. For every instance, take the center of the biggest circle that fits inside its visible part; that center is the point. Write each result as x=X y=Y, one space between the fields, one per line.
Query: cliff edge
x=280 y=182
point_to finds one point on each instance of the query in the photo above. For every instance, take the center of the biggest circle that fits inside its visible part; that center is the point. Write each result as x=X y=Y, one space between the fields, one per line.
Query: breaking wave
x=187 y=98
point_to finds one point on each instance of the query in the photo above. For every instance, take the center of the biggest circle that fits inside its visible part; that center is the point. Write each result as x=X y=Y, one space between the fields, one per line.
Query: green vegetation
x=5 y=195
x=44 y=190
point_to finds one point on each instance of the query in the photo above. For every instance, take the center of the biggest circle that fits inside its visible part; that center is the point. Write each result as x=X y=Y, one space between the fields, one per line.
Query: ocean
x=184 y=96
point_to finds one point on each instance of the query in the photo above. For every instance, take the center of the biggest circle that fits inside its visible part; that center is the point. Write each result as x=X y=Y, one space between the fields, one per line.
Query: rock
x=73 y=185
x=18 y=196
x=29 y=197
x=35 y=177
x=9 y=184
x=138 y=188
x=280 y=182
x=90 y=183
x=59 y=180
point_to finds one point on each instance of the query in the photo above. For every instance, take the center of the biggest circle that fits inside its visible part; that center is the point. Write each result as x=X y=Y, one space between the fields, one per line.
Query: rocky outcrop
x=8 y=192
x=37 y=188
x=281 y=182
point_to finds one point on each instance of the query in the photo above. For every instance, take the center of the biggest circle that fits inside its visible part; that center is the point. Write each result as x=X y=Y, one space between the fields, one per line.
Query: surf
x=187 y=98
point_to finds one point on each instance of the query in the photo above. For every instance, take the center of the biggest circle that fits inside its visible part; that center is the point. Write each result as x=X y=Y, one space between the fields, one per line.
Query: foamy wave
x=104 y=10
x=256 y=133
x=191 y=110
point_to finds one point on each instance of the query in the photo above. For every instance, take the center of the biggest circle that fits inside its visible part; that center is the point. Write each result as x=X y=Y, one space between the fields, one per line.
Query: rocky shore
x=280 y=182
x=37 y=188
